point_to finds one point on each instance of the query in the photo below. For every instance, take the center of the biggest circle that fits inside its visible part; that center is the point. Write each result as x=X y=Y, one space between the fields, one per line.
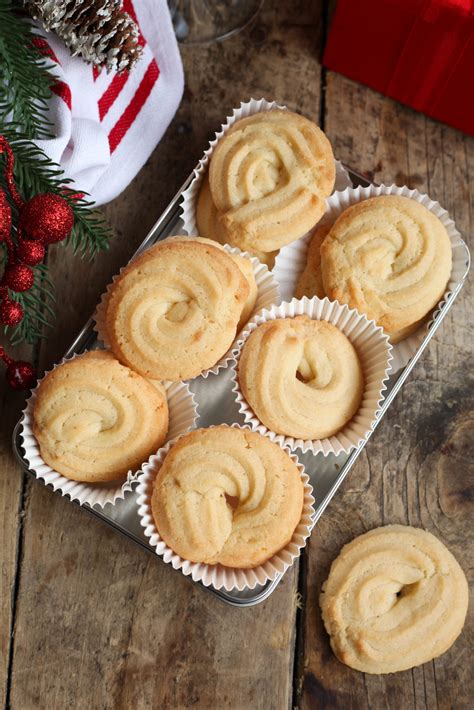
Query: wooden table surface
x=90 y=621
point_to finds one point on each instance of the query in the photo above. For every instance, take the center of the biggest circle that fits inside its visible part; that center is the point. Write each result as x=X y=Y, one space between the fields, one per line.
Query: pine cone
x=97 y=30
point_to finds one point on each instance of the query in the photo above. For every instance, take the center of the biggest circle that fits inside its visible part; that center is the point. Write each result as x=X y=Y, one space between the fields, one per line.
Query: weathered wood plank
x=113 y=628
x=415 y=469
x=11 y=486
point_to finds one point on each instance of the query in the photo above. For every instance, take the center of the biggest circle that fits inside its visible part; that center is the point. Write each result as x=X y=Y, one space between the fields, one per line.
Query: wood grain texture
x=106 y=626
x=11 y=488
x=98 y=623
x=415 y=470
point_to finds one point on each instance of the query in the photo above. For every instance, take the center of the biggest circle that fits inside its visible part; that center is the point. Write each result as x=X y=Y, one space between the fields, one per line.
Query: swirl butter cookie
x=244 y=264
x=227 y=495
x=395 y=598
x=269 y=177
x=210 y=226
x=174 y=311
x=390 y=258
x=301 y=377
x=94 y=419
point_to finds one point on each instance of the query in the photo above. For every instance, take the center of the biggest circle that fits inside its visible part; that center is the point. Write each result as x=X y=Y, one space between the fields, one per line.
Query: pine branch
x=36 y=173
x=36 y=304
x=25 y=75
x=25 y=88
x=38 y=313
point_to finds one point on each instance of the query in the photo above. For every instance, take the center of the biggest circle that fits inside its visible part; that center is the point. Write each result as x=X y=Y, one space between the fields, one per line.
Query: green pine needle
x=25 y=75
x=36 y=173
x=36 y=304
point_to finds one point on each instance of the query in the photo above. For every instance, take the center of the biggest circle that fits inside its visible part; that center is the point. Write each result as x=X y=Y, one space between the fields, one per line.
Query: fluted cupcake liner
x=291 y=260
x=218 y=576
x=182 y=417
x=247 y=108
x=268 y=293
x=374 y=352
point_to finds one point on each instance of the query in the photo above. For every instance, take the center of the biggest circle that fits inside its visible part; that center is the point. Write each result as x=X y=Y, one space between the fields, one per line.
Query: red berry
x=5 y=217
x=47 y=218
x=11 y=313
x=30 y=252
x=20 y=375
x=18 y=277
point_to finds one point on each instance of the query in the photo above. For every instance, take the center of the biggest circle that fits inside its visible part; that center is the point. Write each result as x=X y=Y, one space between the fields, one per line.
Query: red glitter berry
x=11 y=313
x=20 y=375
x=5 y=217
x=18 y=277
x=30 y=252
x=47 y=218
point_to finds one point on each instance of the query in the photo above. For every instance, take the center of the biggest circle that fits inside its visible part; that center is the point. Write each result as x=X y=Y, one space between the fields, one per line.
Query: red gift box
x=420 y=52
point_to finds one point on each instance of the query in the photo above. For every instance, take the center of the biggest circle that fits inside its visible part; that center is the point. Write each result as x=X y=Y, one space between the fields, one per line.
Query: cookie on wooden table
x=227 y=495
x=173 y=312
x=301 y=377
x=390 y=258
x=395 y=598
x=95 y=419
x=269 y=177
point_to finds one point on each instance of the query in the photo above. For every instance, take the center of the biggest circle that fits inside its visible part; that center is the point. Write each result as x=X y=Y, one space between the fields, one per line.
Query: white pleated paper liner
x=218 y=576
x=374 y=352
x=291 y=260
x=268 y=293
x=246 y=108
x=182 y=417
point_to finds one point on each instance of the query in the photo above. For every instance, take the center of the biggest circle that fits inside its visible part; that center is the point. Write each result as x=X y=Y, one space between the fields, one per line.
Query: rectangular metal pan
x=216 y=405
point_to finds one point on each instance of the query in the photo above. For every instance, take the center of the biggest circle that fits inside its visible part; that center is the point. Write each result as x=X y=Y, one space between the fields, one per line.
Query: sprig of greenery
x=36 y=304
x=25 y=88
x=25 y=75
x=38 y=312
x=36 y=173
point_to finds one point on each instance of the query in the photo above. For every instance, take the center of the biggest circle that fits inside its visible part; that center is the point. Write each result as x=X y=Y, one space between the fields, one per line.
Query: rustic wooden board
x=415 y=469
x=101 y=624
x=11 y=490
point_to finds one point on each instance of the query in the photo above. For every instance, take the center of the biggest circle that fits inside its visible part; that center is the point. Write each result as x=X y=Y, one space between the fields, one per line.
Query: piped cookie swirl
x=301 y=377
x=269 y=177
x=390 y=258
x=94 y=419
x=395 y=598
x=227 y=495
x=174 y=311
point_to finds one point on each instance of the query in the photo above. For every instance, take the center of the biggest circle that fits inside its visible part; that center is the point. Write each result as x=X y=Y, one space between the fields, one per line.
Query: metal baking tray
x=216 y=405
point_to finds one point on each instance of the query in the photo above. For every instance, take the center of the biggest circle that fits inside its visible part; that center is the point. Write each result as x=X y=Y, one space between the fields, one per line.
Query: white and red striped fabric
x=107 y=125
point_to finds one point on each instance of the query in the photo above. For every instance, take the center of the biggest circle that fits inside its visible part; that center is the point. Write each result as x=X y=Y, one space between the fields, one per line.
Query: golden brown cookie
x=227 y=495
x=310 y=282
x=390 y=258
x=173 y=312
x=209 y=225
x=244 y=264
x=269 y=177
x=94 y=419
x=395 y=598
x=301 y=377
